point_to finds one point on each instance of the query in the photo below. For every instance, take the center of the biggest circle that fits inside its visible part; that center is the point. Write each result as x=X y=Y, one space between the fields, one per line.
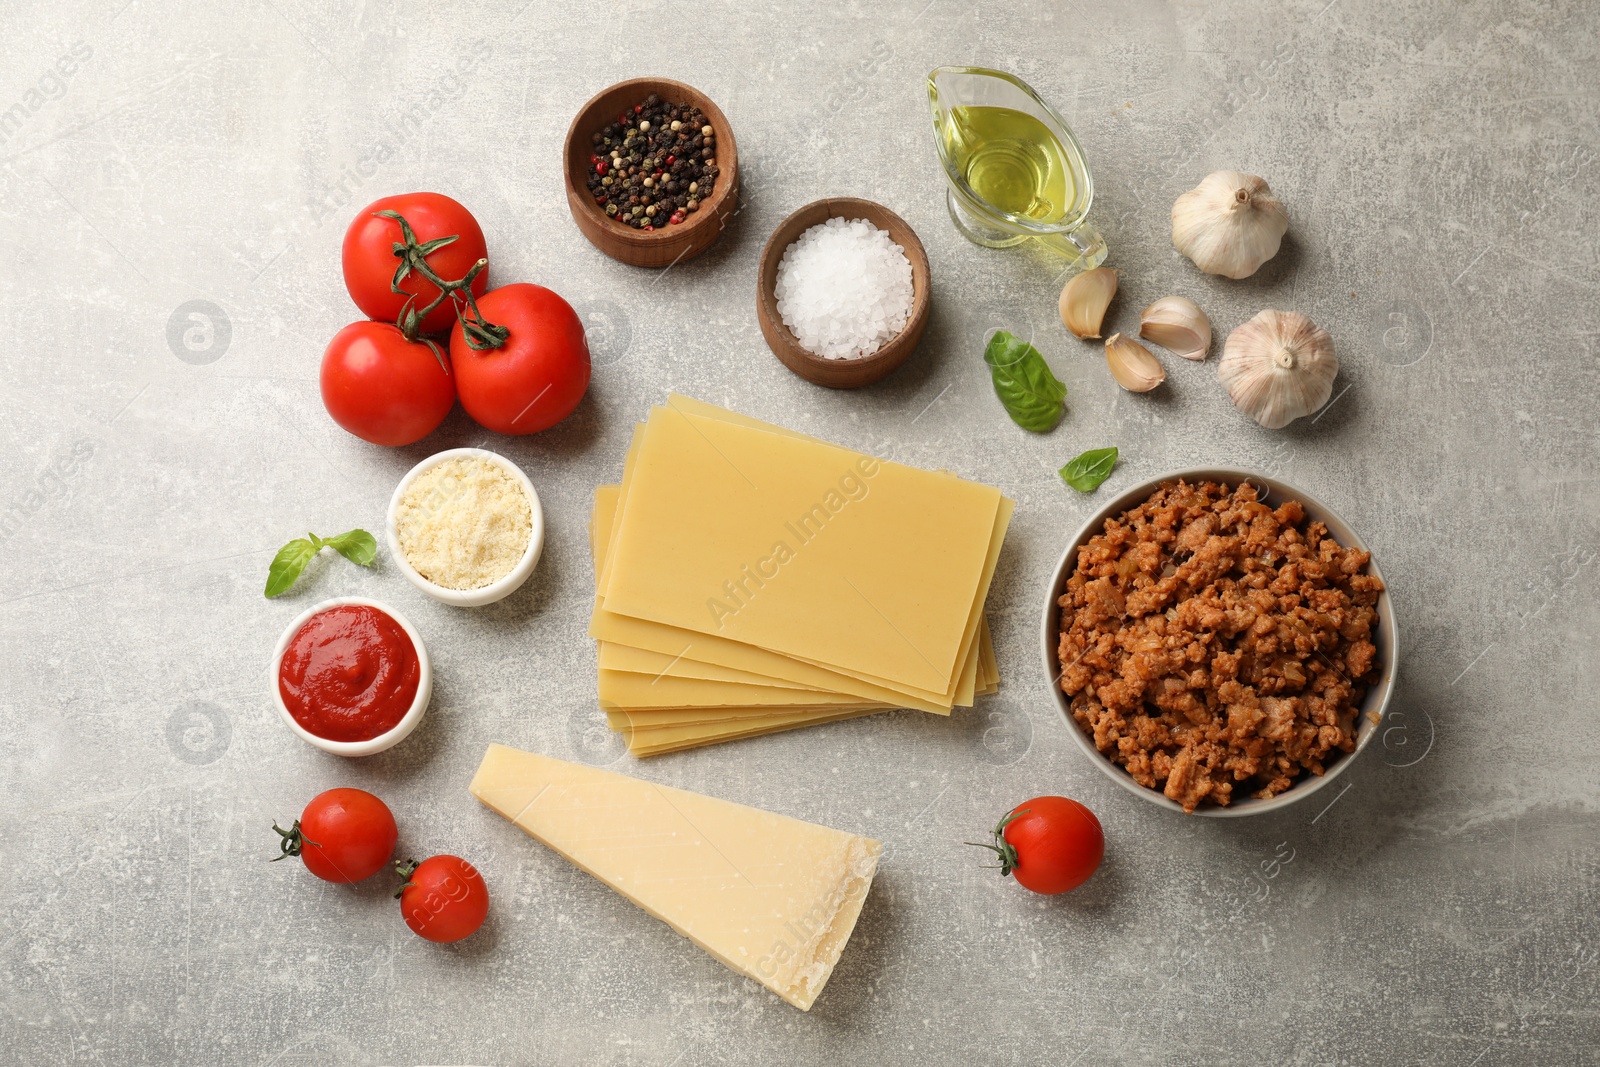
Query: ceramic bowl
x=396 y=734
x=669 y=244
x=1274 y=492
x=841 y=373
x=498 y=590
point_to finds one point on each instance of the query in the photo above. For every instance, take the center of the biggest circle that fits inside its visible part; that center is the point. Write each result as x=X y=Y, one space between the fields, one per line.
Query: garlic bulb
x=1229 y=224
x=1177 y=324
x=1277 y=367
x=1085 y=299
x=1132 y=365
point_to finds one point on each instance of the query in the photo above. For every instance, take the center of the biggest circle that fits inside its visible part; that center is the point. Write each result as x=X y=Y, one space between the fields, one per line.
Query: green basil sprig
x=1032 y=396
x=357 y=546
x=1090 y=469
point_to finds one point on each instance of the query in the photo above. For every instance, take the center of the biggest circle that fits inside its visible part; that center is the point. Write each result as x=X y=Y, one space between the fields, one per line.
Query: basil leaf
x=1032 y=396
x=287 y=565
x=1086 y=472
x=357 y=546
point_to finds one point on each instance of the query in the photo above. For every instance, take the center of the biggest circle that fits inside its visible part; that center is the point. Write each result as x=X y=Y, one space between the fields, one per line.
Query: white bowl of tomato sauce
x=351 y=676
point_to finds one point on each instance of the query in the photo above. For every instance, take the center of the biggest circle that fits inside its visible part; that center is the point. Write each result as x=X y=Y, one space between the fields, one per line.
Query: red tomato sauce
x=349 y=674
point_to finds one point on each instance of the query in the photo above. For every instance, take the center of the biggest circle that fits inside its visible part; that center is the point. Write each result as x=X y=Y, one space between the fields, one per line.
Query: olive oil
x=1015 y=174
x=1012 y=161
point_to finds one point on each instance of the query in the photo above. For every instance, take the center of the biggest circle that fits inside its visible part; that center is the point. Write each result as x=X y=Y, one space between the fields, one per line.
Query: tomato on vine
x=1051 y=844
x=344 y=835
x=418 y=260
x=444 y=899
x=384 y=388
x=410 y=243
x=531 y=374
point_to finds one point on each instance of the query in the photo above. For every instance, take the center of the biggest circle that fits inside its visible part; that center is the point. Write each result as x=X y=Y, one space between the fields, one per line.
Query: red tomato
x=1051 y=844
x=383 y=388
x=538 y=376
x=344 y=835
x=444 y=898
x=370 y=262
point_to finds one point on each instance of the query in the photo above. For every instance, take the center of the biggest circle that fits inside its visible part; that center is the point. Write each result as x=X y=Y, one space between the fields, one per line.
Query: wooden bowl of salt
x=854 y=372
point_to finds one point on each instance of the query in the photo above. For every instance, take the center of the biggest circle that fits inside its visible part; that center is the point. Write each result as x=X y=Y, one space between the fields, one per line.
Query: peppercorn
x=656 y=163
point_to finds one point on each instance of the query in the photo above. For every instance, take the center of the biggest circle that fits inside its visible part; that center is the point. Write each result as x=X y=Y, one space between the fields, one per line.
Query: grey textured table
x=1441 y=163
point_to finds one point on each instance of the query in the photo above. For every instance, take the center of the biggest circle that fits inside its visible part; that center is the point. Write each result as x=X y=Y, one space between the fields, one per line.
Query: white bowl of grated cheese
x=465 y=527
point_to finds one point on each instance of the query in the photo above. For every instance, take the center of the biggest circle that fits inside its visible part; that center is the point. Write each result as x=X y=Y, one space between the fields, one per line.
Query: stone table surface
x=176 y=179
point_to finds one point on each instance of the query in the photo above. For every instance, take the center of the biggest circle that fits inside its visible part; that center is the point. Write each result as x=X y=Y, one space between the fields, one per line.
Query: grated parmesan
x=464 y=523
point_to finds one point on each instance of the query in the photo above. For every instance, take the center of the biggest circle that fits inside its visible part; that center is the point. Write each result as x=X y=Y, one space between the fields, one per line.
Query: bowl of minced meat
x=1220 y=643
x=465 y=526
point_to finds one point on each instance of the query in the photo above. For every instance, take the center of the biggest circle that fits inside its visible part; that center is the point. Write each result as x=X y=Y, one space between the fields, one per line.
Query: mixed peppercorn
x=655 y=165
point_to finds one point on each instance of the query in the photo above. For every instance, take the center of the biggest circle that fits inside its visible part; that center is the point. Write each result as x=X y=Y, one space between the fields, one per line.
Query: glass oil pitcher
x=1015 y=171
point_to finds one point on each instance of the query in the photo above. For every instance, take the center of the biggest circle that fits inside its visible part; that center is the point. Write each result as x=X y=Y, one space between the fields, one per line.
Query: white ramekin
x=395 y=734
x=499 y=590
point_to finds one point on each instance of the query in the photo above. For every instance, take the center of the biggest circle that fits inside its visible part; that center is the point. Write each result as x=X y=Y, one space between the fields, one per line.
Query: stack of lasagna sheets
x=749 y=579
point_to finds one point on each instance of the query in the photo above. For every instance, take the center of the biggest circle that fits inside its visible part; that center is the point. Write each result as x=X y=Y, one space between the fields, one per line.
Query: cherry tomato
x=344 y=835
x=370 y=262
x=538 y=376
x=383 y=388
x=444 y=898
x=1051 y=844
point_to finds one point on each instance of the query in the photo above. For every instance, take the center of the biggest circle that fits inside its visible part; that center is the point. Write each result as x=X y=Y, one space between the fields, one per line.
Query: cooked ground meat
x=1212 y=645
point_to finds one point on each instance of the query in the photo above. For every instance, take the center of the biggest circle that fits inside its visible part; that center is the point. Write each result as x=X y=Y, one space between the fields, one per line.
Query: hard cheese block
x=772 y=897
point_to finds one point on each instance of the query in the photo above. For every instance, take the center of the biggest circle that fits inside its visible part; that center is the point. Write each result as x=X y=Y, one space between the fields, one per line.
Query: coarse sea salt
x=844 y=289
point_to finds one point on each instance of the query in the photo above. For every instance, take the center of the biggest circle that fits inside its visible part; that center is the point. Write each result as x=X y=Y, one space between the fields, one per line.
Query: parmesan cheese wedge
x=772 y=897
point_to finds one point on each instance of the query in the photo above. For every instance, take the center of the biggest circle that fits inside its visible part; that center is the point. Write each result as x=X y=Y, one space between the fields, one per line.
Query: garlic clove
x=1229 y=224
x=1132 y=365
x=1177 y=324
x=1085 y=299
x=1278 y=367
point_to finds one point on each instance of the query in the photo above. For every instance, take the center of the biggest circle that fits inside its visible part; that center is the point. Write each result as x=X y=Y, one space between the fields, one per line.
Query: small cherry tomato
x=536 y=378
x=370 y=263
x=1051 y=844
x=344 y=835
x=444 y=898
x=383 y=388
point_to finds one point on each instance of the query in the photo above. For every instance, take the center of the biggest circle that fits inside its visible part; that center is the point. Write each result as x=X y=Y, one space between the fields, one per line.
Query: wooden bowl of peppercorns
x=646 y=183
